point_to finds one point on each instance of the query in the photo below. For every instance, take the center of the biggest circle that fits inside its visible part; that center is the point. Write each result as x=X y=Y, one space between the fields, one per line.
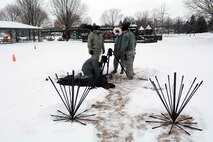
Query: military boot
x=114 y=71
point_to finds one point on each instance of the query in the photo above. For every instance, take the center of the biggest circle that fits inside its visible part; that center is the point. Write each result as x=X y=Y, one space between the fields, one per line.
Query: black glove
x=125 y=57
x=104 y=59
x=103 y=52
x=91 y=52
x=110 y=52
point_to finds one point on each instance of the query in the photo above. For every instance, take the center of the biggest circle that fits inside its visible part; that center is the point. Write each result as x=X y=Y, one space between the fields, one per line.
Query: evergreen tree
x=186 y=28
x=178 y=25
x=210 y=25
x=201 y=25
x=192 y=24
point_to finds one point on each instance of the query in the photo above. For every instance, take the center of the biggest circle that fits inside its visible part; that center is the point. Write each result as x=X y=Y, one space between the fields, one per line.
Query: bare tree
x=139 y=16
x=142 y=18
x=154 y=18
x=169 y=25
x=48 y=24
x=41 y=17
x=69 y=13
x=87 y=20
x=2 y=15
x=10 y=13
x=111 y=16
x=32 y=12
x=200 y=6
x=162 y=15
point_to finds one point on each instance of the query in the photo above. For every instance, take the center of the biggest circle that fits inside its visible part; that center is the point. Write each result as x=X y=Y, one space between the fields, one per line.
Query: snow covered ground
x=27 y=99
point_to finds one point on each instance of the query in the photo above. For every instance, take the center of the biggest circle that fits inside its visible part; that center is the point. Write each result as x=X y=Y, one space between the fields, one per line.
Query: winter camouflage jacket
x=95 y=43
x=117 y=45
x=128 y=43
x=91 y=67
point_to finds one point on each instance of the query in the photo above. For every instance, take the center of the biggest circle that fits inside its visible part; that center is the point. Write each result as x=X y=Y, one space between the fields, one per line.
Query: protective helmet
x=126 y=23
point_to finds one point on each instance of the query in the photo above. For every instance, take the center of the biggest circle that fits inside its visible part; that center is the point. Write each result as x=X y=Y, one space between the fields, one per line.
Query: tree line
x=160 y=20
x=69 y=13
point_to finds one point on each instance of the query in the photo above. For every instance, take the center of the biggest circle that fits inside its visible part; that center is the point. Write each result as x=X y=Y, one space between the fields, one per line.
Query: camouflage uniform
x=127 y=51
x=117 y=57
x=92 y=73
x=91 y=67
x=95 y=43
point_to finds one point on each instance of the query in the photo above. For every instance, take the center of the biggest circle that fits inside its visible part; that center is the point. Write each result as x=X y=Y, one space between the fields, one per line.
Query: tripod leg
x=102 y=70
x=108 y=64
x=122 y=67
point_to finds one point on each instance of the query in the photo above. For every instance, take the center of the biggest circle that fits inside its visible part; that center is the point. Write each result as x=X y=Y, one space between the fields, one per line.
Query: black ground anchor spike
x=72 y=101
x=174 y=102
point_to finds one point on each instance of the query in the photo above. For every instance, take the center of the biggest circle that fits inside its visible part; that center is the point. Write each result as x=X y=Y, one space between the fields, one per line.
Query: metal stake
x=71 y=102
x=172 y=105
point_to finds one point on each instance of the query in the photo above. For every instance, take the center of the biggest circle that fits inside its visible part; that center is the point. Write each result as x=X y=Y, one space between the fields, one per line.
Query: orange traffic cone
x=14 y=58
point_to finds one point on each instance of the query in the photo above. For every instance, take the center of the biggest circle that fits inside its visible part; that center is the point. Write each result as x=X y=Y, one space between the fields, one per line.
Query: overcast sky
x=128 y=7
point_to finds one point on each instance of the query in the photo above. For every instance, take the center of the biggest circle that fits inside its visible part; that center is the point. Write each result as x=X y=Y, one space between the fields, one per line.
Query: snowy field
x=27 y=99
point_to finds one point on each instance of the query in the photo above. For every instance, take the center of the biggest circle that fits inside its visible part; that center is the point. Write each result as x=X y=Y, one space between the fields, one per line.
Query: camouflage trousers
x=129 y=60
x=117 y=60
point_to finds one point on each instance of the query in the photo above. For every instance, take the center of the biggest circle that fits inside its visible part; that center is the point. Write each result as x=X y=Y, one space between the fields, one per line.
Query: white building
x=14 y=31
